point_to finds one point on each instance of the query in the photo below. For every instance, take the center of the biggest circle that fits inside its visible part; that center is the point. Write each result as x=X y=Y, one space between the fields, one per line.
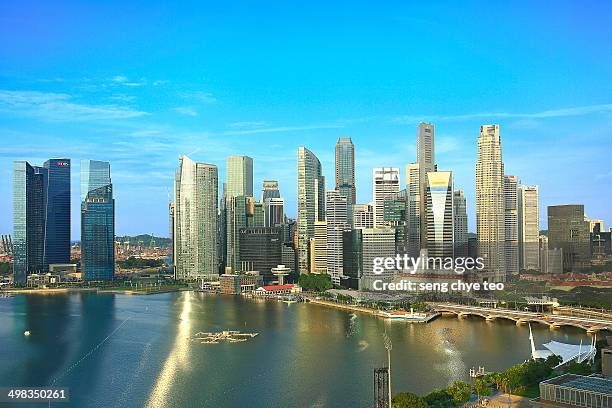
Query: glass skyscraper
x=345 y=171
x=97 y=221
x=41 y=216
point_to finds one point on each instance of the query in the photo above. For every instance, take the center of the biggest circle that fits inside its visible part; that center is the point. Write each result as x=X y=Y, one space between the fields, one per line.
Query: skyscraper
x=363 y=216
x=528 y=227
x=269 y=190
x=310 y=200
x=426 y=160
x=439 y=209
x=260 y=250
x=318 y=248
x=41 y=216
x=461 y=224
x=413 y=210
x=569 y=231
x=376 y=242
x=239 y=176
x=97 y=221
x=274 y=212
x=490 y=205
x=345 y=171
x=511 y=224
x=336 y=210
x=240 y=214
x=385 y=182
x=195 y=207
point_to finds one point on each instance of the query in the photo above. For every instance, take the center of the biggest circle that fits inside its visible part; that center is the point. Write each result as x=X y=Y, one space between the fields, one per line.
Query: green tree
x=460 y=391
x=408 y=400
x=578 y=368
x=481 y=388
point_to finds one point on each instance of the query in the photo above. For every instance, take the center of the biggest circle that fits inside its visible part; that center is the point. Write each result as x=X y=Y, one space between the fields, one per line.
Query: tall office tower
x=57 y=234
x=97 y=221
x=395 y=215
x=543 y=253
x=260 y=250
x=376 y=242
x=511 y=224
x=490 y=204
x=528 y=227
x=413 y=210
x=222 y=231
x=29 y=219
x=274 y=212
x=239 y=176
x=385 y=182
x=596 y=226
x=568 y=230
x=195 y=227
x=336 y=210
x=439 y=209
x=318 y=248
x=258 y=215
x=426 y=159
x=345 y=172
x=363 y=216
x=352 y=258
x=171 y=230
x=269 y=190
x=240 y=214
x=311 y=202
x=461 y=224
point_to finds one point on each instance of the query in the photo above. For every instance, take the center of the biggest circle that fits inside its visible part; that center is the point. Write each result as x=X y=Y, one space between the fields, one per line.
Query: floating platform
x=225 y=336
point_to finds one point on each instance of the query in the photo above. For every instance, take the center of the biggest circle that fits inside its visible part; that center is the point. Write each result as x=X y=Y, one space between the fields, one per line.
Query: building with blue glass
x=97 y=221
x=41 y=216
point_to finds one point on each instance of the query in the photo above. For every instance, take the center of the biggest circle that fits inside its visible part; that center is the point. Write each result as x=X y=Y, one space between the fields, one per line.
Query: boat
x=227 y=336
x=26 y=333
x=410 y=316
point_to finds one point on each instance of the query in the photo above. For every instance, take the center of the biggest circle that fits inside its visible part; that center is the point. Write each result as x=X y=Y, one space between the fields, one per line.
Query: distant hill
x=145 y=240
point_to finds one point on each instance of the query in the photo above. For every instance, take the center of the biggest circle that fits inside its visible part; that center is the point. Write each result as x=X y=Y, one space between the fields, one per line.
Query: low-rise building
x=232 y=284
x=571 y=390
x=278 y=290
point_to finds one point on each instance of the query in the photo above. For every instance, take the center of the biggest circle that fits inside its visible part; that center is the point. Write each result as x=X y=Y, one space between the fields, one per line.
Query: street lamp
x=388 y=346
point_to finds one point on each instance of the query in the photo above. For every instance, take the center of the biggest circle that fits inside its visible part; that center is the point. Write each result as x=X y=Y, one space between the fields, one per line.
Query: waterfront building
x=376 y=242
x=239 y=176
x=490 y=205
x=318 y=256
x=413 y=211
x=274 y=211
x=260 y=250
x=279 y=272
x=568 y=230
x=195 y=226
x=528 y=227
x=426 y=160
x=336 y=210
x=310 y=202
x=385 y=182
x=460 y=221
x=352 y=258
x=240 y=214
x=41 y=216
x=439 y=222
x=363 y=216
x=232 y=284
x=572 y=390
x=345 y=172
x=278 y=290
x=97 y=221
x=511 y=224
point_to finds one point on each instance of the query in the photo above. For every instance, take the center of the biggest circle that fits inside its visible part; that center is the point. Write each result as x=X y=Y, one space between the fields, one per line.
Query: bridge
x=591 y=325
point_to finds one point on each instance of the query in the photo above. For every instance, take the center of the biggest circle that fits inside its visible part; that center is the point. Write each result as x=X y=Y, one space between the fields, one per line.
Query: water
x=133 y=351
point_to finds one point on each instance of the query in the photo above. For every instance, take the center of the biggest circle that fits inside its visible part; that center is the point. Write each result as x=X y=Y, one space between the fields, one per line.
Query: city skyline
x=141 y=107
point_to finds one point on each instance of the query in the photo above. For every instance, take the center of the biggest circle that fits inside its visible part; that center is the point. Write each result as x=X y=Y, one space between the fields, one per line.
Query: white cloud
x=186 y=110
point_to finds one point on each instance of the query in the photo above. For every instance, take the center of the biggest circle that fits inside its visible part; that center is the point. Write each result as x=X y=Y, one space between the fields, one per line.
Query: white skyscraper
x=511 y=224
x=439 y=209
x=528 y=227
x=336 y=210
x=363 y=216
x=426 y=160
x=490 y=203
x=385 y=182
x=195 y=220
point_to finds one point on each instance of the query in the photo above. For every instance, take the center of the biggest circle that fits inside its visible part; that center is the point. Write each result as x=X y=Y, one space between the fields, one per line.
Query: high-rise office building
x=97 y=221
x=568 y=230
x=274 y=212
x=311 y=202
x=269 y=190
x=352 y=258
x=41 y=216
x=426 y=160
x=363 y=216
x=440 y=226
x=385 y=182
x=336 y=210
x=239 y=176
x=490 y=203
x=318 y=248
x=195 y=227
x=511 y=224
x=395 y=216
x=528 y=227
x=240 y=213
x=461 y=224
x=413 y=210
x=260 y=250
x=345 y=171
x=376 y=242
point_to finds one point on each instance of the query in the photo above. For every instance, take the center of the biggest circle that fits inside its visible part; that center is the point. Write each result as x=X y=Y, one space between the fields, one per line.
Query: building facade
x=239 y=176
x=528 y=227
x=414 y=208
x=511 y=224
x=336 y=210
x=439 y=224
x=345 y=171
x=568 y=230
x=376 y=242
x=460 y=221
x=260 y=250
x=385 y=182
x=363 y=216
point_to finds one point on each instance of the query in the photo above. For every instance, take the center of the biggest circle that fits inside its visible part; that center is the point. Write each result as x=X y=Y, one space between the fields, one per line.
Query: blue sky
x=140 y=83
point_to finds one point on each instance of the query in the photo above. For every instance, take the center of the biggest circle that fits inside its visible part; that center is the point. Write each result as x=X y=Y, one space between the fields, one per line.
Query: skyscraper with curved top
x=311 y=202
x=345 y=169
